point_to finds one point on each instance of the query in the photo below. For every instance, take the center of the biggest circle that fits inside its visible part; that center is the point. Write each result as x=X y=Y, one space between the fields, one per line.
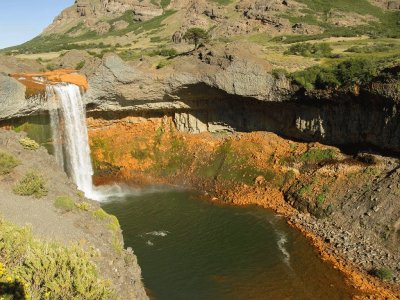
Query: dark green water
x=191 y=249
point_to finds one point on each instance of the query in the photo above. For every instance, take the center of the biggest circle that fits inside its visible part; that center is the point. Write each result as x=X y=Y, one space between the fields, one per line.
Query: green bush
x=360 y=71
x=315 y=155
x=382 y=273
x=29 y=144
x=371 y=48
x=310 y=50
x=112 y=221
x=32 y=184
x=64 y=203
x=48 y=270
x=346 y=73
x=7 y=163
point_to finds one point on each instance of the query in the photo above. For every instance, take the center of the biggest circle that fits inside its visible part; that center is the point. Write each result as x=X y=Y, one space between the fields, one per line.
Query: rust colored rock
x=36 y=82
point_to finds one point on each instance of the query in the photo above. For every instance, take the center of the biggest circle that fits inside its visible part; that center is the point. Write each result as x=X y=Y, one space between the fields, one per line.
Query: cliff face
x=91 y=12
x=224 y=92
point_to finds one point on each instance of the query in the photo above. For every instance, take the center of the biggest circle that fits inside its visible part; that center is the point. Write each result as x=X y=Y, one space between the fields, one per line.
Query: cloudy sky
x=22 y=20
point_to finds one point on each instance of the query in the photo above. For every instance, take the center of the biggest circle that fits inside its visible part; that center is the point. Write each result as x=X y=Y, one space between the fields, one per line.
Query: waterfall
x=70 y=134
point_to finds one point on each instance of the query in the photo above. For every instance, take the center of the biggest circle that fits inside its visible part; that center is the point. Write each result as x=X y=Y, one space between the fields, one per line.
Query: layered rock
x=90 y=12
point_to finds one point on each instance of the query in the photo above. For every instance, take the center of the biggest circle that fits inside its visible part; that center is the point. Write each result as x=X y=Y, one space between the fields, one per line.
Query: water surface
x=191 y=249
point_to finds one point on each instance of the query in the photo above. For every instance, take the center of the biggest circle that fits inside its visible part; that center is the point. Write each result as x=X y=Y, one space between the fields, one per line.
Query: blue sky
x=22 y=20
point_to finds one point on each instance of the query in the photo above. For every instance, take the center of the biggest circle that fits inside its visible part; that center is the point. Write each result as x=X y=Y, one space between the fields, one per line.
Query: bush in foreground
x=29 y=144
x=64 y=203
x=32 y=184
x=7 y=163
x=37 y=270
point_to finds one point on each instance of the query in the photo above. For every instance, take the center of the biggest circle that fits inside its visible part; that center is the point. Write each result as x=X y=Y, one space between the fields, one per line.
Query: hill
x=155 y=28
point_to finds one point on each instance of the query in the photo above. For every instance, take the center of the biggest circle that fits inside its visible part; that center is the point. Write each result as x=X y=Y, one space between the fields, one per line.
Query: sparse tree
x=196 y=35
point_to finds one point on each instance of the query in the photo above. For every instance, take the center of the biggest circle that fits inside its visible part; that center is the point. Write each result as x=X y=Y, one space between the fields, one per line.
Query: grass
x=56 y=42
x=310 y=50
x=64 y=203
x=39 y=270
x=7 y=163
x=32 y=184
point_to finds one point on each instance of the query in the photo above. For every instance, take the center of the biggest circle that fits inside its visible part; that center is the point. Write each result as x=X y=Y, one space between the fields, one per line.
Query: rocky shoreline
x=335 y=245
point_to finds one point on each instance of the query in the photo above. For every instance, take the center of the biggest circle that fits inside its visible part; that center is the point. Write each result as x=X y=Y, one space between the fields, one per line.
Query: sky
x=22 y=20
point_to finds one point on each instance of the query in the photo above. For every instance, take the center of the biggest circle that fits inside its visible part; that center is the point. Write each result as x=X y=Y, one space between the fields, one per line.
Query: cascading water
x=70 y=134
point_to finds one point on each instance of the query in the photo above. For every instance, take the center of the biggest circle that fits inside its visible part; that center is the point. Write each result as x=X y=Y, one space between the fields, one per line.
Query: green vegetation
x=174 y=157
x=315 y=155
x=64 y=203
x=382 y=273
x=80 y=65
x=57 y=42
x=32 y=184
x=29 y=144
x=140 y=154
x=225 y=164
x=310 y=50
x=346 y=73
x=196 y=36
x=371 y=48
x=222 y=2
x=32 y=269
x=305 y=189
x=319 y=13
x=112 y=221
x=83 y=206
x=7 y=163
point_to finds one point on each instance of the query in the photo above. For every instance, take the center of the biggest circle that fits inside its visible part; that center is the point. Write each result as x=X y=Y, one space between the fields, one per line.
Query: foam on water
x=162 y=233
x=281 y=245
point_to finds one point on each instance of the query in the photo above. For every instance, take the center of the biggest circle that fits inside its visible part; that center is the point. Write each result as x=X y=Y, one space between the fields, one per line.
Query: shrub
x=346 y=73
x=32 y=184
x=48 y=270
x=310 y=50
x=196 y=36
x=112 y=221
x=83 y=206
x=382 y=273
x=315 y=155
x=29 y=144
x=356 y=71
x=7 y=163
x=64 y=203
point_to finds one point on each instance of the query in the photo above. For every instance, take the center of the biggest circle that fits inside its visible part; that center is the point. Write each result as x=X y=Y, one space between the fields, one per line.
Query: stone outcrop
x=92 y=12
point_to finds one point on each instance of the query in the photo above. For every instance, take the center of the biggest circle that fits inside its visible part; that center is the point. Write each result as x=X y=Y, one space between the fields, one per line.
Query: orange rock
x=37 y=81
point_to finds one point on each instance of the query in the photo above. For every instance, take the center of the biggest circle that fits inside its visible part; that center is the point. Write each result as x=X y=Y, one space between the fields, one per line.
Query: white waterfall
x=70 y=134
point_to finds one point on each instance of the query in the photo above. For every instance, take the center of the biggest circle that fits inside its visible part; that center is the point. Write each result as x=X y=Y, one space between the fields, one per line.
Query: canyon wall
x=238 y=95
